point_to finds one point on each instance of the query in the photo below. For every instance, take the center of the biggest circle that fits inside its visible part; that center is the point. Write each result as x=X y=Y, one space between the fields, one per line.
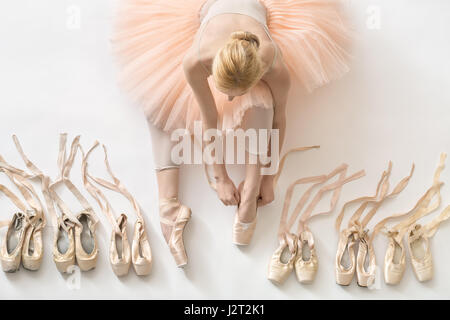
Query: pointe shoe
x=119 y=250
x=306 y=270
x=278 y=270
x=33 y=248
x=86 y=248
x=243 y=231
x=11 y=250
x=421 y=258
x=141 y=251
x=64 y=253
x=394 y=270
x=175 y=241
x=365 y=277
x=344 y=276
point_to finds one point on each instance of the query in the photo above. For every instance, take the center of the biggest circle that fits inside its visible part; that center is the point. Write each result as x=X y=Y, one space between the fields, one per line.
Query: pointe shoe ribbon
x=348 y=237
x=86 y=253
x=141 y=255
x=32 y=251
x=305 y=270
x=423 y=265
x=65 y=222
x=280 y=270
x=356 y=232
x=279 y=170
x=394 y=268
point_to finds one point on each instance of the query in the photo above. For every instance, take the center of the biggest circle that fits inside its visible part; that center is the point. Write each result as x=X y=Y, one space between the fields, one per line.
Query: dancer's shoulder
x=192 y=65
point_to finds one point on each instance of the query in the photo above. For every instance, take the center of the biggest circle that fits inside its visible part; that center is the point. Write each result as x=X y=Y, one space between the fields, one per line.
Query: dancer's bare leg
x=256 y=118
x=249 y=193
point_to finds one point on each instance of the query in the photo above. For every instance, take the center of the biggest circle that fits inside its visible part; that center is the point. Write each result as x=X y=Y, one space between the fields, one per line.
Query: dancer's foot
x=173 y=218
x=245 y=219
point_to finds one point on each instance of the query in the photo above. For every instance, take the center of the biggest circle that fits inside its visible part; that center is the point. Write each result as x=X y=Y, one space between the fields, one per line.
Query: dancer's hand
x=266 y=192
x=227 y=192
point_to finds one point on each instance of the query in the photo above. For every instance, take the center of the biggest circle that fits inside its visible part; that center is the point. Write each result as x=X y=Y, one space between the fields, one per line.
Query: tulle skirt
x=151 y=38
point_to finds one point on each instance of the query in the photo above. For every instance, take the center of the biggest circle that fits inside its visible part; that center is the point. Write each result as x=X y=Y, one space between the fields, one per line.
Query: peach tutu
x=151 y=38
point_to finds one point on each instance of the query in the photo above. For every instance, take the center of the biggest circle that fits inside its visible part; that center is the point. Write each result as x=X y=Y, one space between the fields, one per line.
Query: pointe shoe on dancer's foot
x=173 y=228
x=243 y=230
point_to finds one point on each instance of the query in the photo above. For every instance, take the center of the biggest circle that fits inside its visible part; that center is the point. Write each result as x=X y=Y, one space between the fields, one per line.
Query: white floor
x=58 y=76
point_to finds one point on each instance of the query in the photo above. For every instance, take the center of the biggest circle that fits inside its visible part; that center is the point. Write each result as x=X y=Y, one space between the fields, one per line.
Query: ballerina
x=229 y=64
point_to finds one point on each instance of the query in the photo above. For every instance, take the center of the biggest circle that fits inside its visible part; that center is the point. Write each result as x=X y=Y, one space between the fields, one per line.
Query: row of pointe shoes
x=417 y=236
x=74 y=239
x=290 y=253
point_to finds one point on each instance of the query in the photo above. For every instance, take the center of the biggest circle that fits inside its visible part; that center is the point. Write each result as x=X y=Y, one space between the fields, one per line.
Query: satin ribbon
x=116 y=186
x=65 y=165
x=277 y=174
x=284 y=234
x=356 y=225
x=18 y=177
x=421 y=209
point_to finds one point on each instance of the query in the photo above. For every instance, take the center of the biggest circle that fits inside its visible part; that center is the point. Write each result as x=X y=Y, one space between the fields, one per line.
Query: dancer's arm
x=197 y=78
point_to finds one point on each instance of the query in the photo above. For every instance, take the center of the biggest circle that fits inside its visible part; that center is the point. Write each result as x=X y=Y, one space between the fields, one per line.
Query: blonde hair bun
x=246 y=36
x=238 y=64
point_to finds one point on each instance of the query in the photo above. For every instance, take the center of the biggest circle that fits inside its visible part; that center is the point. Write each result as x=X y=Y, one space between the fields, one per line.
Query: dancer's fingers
x=237 y=196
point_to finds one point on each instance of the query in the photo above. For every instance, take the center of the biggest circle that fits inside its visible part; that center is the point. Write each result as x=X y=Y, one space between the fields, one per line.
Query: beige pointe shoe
x=141 y=251
x=119 y=250
x=175 y=241
x=86 y=248
x=281 y=265
x=365 y=276
x=33 y=248
x=394 y=264
x=11 y=250
x=306 y=270
x=420 y=253
x=344 y=275
x=64 y=246
x=243 y=231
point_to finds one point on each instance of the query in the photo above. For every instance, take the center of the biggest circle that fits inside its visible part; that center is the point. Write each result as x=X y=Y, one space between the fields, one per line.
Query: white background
x=393 y=105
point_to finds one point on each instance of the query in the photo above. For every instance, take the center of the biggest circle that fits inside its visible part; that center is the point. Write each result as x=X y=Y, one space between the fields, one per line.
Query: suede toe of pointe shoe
x=279 y=271
x=141 y=251
x=394 y=270
x=243 y=232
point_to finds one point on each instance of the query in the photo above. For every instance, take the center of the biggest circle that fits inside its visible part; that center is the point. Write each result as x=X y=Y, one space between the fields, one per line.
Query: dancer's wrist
x=268 y=177
x=220 y=173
